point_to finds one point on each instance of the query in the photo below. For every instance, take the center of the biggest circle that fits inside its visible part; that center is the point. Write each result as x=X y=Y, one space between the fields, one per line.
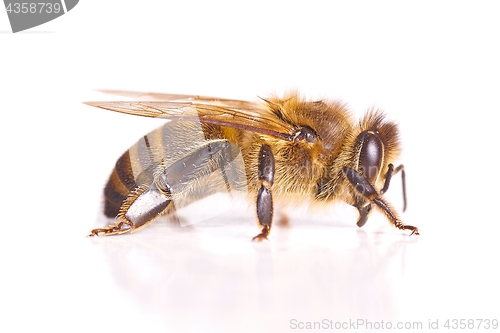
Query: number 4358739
x=33 y=7
x=471 y=324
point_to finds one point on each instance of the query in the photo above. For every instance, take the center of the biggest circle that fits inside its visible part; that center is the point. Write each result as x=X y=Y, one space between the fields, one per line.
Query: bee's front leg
x=364 y=210
x=363 y=187
x=264 y=197
x=388 y=177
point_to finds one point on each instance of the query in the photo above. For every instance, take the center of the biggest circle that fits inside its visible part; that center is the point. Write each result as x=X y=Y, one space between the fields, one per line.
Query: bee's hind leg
x=264 y=197
x=138 y=210
x=120 y=227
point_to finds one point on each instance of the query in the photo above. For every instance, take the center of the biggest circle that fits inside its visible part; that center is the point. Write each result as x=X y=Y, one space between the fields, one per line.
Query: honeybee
x=276 y=149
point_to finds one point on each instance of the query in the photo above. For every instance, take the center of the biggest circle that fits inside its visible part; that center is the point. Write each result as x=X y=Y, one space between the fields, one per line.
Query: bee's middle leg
x=264 y=196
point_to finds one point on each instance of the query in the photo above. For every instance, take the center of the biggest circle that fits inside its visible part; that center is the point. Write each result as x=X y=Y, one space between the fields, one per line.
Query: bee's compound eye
x=371 y=155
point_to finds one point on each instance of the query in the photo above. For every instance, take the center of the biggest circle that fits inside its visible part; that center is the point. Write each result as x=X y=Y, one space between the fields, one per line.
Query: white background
x=432 y=66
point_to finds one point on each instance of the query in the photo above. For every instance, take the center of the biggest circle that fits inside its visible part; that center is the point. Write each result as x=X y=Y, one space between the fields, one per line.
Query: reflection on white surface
x=213 y=278
x=216 y=276
x=210 y=277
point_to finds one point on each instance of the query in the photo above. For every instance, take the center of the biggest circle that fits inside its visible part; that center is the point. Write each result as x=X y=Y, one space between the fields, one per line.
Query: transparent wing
x=155 y=96
x=172 y=167
x=242 y=115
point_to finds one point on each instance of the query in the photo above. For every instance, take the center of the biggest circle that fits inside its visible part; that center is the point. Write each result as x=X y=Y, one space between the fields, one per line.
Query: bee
x=286 y=149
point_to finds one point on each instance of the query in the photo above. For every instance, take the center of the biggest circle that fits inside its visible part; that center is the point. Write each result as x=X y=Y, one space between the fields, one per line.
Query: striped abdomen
x=178 y=161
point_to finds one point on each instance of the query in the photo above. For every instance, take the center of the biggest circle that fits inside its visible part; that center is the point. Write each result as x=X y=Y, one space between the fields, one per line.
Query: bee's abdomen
x=120 y=184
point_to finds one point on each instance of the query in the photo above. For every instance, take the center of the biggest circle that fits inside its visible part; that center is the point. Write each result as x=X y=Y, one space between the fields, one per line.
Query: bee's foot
x=263 y=234
x=414 y=231
x=401 y=226
x=117 y=229
x=260 y=238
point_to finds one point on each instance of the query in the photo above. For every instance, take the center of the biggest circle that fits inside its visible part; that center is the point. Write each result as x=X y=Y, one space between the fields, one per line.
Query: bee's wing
x=177 y=159
x=231 y=113
x=155 y=96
